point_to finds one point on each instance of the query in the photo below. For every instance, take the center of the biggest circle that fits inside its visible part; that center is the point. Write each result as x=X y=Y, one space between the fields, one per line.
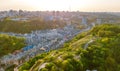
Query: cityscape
x=59 y=39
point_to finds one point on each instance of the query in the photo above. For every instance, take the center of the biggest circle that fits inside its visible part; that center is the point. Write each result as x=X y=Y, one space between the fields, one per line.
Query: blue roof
x=28 y=47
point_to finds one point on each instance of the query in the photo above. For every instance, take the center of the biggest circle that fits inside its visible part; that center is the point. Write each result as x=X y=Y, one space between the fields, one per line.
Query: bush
x=9 y=44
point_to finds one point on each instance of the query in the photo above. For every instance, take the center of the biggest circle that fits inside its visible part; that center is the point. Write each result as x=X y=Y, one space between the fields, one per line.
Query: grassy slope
x=8 y=44
x=102 y=54
x=28 y=26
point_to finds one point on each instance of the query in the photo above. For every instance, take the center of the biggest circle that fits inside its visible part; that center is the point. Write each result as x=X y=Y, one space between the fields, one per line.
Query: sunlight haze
x=61 y=5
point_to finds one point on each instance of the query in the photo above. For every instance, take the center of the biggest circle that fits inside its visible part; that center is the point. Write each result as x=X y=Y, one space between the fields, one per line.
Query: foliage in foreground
x=9 y=44
x=102 y=54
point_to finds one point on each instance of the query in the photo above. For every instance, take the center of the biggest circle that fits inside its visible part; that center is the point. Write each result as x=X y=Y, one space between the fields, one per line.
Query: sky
x=62 y=5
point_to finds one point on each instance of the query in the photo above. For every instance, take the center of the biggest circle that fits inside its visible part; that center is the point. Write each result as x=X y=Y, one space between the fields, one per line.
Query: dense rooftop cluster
x=44 y=31
x=39 y=42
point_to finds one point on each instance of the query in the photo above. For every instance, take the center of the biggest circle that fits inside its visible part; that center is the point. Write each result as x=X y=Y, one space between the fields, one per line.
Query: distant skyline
x=62 y=5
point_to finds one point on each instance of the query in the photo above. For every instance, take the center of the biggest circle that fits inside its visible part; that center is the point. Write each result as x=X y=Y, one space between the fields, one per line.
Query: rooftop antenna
x=70 y=13
x=70 y=7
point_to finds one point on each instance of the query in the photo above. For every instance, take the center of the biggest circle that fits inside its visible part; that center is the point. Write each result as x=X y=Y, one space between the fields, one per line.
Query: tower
x=99 y=21
x=84 y=20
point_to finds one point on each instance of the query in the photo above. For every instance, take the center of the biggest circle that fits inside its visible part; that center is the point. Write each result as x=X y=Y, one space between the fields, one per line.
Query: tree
x=44 y=69
x=93 y=58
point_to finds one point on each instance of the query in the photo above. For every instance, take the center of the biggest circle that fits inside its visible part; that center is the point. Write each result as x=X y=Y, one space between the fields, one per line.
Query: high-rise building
x=84 y=20
x=99 y=21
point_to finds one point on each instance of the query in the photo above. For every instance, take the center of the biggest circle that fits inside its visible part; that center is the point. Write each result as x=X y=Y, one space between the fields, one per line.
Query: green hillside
x=97 y=49
x=28 y=26
x=8 y=44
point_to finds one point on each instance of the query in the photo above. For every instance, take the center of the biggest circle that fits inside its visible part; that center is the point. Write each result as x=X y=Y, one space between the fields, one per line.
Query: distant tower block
x=99 y=21
x=84 y=20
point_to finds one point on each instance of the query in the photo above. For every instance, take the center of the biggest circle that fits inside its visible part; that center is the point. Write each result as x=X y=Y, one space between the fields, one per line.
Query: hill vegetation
x=28 y=26
x=9 y=44
x=97 y=49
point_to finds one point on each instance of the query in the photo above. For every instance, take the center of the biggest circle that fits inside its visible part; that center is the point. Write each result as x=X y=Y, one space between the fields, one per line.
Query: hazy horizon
x=61 y=5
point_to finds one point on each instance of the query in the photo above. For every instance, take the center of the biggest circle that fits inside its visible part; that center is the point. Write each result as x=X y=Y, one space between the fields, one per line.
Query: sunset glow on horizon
x=61 y=5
